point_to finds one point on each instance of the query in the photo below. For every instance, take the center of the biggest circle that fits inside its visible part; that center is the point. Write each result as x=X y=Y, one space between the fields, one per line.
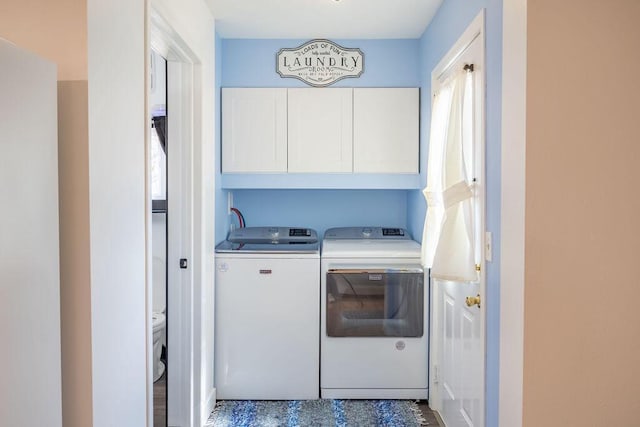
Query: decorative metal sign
x=320 y=62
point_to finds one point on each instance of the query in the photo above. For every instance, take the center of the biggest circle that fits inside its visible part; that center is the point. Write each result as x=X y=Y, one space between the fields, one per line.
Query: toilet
x=159 y=320
x=159 y=323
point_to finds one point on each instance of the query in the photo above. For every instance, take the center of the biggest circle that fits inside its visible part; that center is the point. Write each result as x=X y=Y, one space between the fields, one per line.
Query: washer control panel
x=275 y=235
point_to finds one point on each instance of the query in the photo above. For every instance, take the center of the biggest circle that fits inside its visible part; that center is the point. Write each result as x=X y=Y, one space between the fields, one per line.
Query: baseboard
x=208 y=406
x=439 y=419
x=375 y=393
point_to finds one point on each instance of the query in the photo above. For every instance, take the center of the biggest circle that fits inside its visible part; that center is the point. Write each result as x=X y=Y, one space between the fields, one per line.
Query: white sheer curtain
x=448 y=246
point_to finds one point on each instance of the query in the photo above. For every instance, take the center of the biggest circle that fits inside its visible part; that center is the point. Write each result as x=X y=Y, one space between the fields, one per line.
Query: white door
x=460 y=371
x=320 y=130
x=30 y=384
x=458 y=334
x=179 y=243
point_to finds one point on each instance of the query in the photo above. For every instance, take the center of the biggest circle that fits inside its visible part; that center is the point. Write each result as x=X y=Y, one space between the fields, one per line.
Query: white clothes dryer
x=267 y=314
x=374 y=315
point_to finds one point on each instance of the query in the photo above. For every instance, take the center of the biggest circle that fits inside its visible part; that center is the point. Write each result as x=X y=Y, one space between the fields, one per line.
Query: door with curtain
x=453 y=241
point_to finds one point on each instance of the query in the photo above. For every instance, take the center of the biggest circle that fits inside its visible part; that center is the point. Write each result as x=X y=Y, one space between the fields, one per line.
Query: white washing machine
x=267 y=314
x=374 y=315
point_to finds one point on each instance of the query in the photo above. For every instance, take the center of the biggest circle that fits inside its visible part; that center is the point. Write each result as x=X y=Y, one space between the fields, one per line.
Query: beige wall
x=75 y=291
x=581 y=347
x=57 y=30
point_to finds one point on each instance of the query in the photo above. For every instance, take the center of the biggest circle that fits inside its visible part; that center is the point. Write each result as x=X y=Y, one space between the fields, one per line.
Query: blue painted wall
x=222 y=219
x=449 y=23
x=323 y=208
x=388 y=63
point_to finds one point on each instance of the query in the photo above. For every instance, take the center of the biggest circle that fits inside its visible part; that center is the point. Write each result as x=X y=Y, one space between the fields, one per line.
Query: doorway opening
x=170 y=231
x=159 y=145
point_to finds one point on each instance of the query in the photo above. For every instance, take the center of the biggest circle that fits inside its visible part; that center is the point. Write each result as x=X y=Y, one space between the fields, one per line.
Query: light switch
x=488 y=247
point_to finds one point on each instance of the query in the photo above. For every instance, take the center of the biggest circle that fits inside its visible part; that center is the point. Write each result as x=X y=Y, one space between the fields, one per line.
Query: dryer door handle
x=411 y=270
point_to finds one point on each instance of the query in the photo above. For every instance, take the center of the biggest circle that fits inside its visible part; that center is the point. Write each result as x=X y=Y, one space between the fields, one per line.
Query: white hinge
x=436 y=379
x=488 y=247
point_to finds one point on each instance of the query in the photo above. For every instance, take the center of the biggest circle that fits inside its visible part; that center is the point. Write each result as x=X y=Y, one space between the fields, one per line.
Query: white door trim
x=514 y=84
x=181 y=120
x=440 y=73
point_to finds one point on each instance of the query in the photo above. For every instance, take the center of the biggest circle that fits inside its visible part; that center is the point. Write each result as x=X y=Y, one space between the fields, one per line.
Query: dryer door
x=375 y=302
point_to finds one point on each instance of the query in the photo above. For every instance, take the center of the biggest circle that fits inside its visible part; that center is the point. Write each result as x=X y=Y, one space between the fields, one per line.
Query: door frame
x=181 y=124
x=512 y=208
x=440 y=72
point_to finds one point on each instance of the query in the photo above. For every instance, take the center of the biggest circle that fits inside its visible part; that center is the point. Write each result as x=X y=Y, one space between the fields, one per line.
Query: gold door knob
x=473 y=301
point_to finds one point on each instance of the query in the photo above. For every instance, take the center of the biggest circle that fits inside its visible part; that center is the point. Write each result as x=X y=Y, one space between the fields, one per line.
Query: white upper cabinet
x=320 y=130
x=254 y=130
x=386 y=130
x=317 y=132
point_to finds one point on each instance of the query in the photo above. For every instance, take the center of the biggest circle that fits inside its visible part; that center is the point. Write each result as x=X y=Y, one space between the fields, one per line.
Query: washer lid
x=279 y=247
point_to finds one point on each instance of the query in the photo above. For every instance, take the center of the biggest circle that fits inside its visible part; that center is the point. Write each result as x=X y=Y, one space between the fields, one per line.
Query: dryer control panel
x=363 y=233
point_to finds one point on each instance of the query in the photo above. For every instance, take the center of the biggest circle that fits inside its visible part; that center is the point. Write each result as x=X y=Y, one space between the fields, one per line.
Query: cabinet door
x=254 y=130
x=385 y=130
x=320 y=130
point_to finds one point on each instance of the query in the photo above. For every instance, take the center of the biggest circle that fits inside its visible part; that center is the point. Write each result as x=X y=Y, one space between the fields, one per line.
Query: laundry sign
x=320 y=62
